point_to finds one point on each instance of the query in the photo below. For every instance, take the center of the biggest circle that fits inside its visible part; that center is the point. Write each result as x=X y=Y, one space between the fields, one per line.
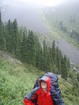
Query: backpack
x=54 y=88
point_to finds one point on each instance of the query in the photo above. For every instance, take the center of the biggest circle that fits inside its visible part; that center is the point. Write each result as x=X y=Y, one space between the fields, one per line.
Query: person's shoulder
x=39 y=90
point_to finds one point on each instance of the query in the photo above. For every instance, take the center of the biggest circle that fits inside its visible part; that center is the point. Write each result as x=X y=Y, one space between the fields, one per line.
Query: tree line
x=73 y=34
x=25 y=46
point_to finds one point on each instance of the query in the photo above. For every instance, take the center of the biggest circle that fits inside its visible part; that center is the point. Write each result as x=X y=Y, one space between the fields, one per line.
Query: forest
x=24 y=57
x=24 y=45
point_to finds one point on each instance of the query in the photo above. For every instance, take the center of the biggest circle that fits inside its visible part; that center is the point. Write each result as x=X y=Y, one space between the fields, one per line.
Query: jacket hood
x=47 y=80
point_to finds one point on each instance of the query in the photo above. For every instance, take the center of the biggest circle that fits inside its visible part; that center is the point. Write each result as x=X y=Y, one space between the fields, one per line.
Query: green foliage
x=23 y=49
x=69 y=92
x=15 y=36
x=78 y=76
x=44 y=56
x=31 y=49
x=39 y=55
x=2 y=40
x=14 y=77
x=25 y=46
x=8 y=36
x=53 y=52
x=64 y=64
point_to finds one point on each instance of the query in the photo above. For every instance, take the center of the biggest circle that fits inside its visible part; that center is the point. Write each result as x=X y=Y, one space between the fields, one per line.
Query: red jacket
x=43 y=98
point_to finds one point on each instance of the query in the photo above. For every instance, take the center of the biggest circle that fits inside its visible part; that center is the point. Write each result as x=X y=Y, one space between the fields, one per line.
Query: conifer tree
x=23 y=51
x=38 y=55
x=44 y=62
x=68 y=62
x=8 y=37
x=15 y=36
x=31 y=49
x=53 y=52
x=58 y=59
x=64 y=73
x=49 y=59
x=41 y=59
x=2 y=40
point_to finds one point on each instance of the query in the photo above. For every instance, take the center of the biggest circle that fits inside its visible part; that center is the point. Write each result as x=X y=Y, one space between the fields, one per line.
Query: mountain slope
x=14 y=77
x=63 y=23
x=64 y=20
x=17 y=79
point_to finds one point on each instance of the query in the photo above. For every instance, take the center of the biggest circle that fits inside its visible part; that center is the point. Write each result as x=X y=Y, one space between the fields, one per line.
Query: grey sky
x=36 y=3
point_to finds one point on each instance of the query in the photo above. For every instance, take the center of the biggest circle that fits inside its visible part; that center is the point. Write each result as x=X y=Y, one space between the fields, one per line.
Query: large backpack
x=54 y=89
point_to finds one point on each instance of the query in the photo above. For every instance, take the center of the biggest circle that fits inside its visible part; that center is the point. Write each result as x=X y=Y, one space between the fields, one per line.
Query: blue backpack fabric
x=54 y=89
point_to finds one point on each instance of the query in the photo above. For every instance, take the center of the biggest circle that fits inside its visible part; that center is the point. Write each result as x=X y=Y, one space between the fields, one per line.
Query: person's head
x=43 y=85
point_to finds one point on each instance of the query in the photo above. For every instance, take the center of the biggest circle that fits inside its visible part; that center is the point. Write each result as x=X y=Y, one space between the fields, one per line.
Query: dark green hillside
x=17 y=79
x=64 y=21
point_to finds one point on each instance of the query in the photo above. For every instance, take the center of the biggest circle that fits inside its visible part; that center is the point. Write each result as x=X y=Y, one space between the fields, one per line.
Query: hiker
x=45 y=92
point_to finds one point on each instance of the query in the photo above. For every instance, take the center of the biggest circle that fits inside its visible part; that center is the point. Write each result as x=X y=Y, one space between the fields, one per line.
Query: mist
x=27 y=12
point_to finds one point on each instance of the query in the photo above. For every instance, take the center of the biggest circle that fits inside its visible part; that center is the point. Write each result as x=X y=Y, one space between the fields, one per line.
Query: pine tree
x=58 y=59
x=49 y=59
x=23 y=50
x=64 y=73
x=53 y=52
x=31 y=49
x=41 y=59
x=38 y=55
x=2 y=40
x=8 y=37
x=44 y=62
x=15 y=37
x=68 y=62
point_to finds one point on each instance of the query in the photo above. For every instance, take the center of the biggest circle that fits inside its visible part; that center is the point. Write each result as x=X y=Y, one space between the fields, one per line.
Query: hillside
x=63 y=25
x=14 y=78
x=64 y=21
x=38 y=50
x=56 y=20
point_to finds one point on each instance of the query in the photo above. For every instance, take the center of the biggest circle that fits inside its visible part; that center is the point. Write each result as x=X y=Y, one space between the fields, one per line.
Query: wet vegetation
x=34 y=58
x=66 y=23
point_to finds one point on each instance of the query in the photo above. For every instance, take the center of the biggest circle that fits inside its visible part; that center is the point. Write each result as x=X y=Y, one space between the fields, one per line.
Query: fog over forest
x=27 y=14
x=26 y=11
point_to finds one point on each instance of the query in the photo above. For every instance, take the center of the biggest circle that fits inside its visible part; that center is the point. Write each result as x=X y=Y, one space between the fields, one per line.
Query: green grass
x=17 y=79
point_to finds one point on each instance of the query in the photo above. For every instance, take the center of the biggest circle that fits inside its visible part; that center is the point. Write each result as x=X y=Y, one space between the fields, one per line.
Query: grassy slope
x=17 y=79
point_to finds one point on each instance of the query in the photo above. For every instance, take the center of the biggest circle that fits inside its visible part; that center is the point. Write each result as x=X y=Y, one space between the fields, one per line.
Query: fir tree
x=58 y=59
x=8 y=37
x=38 y=55
x=2 y=40
x=44 y=62
x=53 y=52
x=23 y=49
x=64 y=73
x=49 y=60
x=31 y=49
x=15 y=37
